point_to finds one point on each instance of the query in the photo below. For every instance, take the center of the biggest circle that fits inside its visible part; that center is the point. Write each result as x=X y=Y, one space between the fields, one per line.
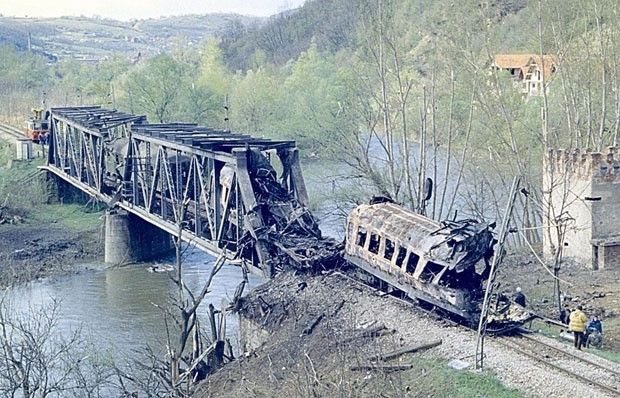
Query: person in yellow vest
x=577 y=325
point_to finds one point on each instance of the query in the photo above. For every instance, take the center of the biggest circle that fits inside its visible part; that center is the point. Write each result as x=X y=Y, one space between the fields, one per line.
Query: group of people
x=43 y=138
x=586 y=332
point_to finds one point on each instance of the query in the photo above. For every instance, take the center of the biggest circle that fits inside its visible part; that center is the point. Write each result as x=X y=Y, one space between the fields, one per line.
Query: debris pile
x=292 y=233
x=7 y=218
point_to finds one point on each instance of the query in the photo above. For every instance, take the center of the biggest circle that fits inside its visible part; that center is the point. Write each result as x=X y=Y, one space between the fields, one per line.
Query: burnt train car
x=443 y=264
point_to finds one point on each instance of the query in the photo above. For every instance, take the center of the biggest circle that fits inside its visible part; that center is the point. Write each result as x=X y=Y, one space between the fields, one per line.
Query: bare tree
x=36 y=360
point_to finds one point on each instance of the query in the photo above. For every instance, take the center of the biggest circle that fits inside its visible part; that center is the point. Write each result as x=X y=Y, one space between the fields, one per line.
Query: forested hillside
x=94 y=39
x=366 y=82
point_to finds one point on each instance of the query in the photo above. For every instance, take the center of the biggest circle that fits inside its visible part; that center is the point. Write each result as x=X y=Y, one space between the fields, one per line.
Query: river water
x=119 y=309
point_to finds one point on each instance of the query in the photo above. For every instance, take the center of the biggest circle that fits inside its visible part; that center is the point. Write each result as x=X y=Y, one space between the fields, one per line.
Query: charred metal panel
x=432 y=261
x=440 y=263
x=458 y=245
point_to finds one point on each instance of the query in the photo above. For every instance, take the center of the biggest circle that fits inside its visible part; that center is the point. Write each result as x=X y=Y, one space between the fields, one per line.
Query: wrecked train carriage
x=442 y=264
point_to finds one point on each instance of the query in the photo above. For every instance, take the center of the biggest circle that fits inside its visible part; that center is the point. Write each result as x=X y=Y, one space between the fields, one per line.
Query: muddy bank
x=314 y=337
x=29 y=252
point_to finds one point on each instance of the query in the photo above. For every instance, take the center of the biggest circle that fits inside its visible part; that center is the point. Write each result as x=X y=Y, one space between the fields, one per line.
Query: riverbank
x=40 y=236
x=48 y=242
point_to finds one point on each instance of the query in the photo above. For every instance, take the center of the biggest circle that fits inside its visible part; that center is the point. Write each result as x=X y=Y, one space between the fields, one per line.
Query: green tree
x=154 y=88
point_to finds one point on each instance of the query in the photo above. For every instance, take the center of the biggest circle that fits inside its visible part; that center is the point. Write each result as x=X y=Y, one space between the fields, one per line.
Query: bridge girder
x=208 y=186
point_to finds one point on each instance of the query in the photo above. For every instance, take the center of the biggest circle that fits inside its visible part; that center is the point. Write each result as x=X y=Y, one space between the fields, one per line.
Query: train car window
x=373 y=246
x=389 y=249
x=412 y=262
x=430 y=271
x=361 y=236
x=400 y=257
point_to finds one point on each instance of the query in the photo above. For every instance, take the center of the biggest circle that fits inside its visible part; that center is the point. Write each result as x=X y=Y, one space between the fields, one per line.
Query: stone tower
x=582 y=193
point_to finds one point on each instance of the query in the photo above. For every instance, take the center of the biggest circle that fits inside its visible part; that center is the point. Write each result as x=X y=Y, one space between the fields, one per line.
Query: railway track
x=10 y=132
x=599 y=373
x=565 y=360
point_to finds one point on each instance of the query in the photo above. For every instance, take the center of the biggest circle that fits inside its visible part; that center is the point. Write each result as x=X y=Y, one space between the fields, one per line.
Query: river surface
x=119 y=309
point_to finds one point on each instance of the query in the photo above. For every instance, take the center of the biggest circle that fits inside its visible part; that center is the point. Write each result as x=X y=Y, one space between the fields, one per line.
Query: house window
x=373 y=246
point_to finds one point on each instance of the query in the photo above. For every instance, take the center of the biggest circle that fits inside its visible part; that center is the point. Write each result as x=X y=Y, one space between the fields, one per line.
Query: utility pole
x=497 y=259
x=226 y=108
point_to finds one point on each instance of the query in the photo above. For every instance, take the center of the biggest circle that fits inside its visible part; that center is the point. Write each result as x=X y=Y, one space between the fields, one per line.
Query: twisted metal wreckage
x=221 y=192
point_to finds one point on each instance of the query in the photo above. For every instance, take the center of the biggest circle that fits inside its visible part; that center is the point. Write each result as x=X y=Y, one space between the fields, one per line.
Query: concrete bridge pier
x=129 y=238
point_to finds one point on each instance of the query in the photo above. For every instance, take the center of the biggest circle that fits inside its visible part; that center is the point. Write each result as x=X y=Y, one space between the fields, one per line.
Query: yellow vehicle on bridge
x=37 y=126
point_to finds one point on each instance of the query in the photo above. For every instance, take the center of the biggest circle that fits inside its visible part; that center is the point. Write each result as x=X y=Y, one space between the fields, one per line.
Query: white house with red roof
x=529 y=71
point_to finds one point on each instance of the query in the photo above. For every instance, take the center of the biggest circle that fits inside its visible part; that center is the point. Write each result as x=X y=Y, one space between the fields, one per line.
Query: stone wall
x=582 y=190
x=251 y=334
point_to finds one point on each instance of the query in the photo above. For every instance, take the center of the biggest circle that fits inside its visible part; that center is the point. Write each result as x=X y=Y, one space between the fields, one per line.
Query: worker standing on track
x=578 y=321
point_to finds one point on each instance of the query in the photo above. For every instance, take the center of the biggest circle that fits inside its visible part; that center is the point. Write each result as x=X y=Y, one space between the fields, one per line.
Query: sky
x=142 y=9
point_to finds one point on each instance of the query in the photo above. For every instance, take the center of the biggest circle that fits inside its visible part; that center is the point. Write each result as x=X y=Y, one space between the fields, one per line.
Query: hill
x=91 y=39
x=334 y=25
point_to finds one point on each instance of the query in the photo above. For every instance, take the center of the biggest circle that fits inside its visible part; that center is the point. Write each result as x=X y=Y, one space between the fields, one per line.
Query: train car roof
x=458 y=244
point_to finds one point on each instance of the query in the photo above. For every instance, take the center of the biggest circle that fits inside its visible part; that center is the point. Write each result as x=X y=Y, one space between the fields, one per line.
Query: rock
x=458 y=364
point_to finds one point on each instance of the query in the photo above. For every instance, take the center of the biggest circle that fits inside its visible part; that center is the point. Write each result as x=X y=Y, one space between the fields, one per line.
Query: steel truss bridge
x=213 y=188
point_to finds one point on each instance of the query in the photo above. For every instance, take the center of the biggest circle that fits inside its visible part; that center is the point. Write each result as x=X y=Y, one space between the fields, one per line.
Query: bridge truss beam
x=213 y=187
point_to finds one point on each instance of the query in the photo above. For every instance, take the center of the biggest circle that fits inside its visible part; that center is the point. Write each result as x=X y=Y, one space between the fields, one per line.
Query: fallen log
x=382 y=368
x=369 y=332
x=310 y=328
x=405 y=350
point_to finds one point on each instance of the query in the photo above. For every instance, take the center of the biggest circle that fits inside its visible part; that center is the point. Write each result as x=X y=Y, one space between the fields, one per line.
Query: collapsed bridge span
x=216 y=189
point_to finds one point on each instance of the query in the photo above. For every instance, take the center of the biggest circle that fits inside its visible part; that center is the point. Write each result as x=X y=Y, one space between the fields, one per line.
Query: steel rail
x=580 y=358
x=512 y=345
x=11 y=131
x=519 y=347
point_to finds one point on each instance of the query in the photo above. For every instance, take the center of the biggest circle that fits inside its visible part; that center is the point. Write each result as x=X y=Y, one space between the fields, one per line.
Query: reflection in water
x=117 y=308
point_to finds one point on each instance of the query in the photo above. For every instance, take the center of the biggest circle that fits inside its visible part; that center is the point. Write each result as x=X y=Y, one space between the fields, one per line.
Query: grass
x=7 y=152
x=545 y=328
x=434 y=378
x=73 y=216
x=553 y=332
x=26 y=192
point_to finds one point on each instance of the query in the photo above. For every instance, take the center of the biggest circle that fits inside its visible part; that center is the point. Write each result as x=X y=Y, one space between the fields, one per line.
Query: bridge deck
x=215 y=188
